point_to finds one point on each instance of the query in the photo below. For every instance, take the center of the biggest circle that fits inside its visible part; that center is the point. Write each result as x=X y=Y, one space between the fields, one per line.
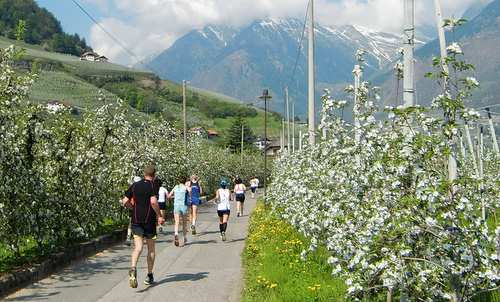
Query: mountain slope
x=40 y=27
x=240 y=62
x=79 y=84
x=480 y=41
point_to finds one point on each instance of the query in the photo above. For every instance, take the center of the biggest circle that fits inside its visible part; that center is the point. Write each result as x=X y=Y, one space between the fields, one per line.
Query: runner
x=222 y=198
x=128 y=241
x=196 y=191
x=254 y=184
x=180 y=194
x=162 y=201
x=142 y=197
x=239 y=191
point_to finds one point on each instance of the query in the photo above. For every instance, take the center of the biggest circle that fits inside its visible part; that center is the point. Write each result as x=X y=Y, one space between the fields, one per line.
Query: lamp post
x=265 y=96
x=242 y=142
x=184 y=83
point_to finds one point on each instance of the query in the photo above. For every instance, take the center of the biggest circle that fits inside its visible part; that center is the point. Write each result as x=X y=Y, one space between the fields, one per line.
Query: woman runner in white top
x=162 y=202
x=239 y=192
x=222 y=198
x=254 y=184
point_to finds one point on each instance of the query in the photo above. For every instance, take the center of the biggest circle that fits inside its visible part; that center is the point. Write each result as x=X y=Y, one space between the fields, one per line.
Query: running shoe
x=176 y=240
x=238 y=215
x=128 y=241
x=223 y=236
x=149 y=279
x=132 y=277
x=193 y=229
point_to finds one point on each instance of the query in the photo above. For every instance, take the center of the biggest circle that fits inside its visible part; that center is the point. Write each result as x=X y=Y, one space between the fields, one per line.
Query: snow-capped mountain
x=241 y=61
x=479 y=40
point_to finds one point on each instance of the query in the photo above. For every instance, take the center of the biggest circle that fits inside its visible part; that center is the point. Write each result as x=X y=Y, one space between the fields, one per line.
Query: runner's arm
x=156 y=208
x=216 y=197
x=127 y=196
x=124 y=201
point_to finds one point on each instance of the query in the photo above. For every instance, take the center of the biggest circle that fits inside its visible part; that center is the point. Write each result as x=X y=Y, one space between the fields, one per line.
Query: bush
x=381 y=196
x=61 y=177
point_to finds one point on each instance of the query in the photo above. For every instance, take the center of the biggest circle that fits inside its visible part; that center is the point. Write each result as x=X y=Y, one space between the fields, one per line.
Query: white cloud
x=150 y=26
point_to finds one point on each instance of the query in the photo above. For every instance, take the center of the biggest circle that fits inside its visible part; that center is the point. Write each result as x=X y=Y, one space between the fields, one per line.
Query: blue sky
x=72 y=20
x=148 y=27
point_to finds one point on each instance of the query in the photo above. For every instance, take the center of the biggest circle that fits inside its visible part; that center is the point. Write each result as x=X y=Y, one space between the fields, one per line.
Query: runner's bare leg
x=151 y=254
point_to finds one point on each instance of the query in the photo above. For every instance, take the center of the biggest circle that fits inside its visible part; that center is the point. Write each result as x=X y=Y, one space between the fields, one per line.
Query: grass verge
x=274 y=270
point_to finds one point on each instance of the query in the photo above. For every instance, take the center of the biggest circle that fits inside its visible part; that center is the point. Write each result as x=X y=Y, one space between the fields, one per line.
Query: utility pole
x=492 y=132
x=480 y=153
x=283 y=135
x=242 y=141
x=293 y=127
x=442 y=40
x=452 y=161
x=184 y=113
x=462 y=147
x=358 y=72
x=265 y=96
x=409 y=47
x=300 y=140
x=287 y=120
x=311 y=86
x=471 y=147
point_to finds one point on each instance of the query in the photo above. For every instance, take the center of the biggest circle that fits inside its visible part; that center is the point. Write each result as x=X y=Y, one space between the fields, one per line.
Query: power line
x=104 y=29
x=299 y=49
x=116 y=40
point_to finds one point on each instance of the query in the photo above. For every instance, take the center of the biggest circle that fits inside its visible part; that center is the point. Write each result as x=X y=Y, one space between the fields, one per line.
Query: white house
x=199 y=131
x=55 y=106
x=89 y=56
x=261 y=144
x=273 y=148
x=93 y=57
x=102 y=59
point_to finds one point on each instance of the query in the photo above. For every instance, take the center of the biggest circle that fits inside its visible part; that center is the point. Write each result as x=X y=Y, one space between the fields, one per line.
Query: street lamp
x=184 y=100
x=265 y=96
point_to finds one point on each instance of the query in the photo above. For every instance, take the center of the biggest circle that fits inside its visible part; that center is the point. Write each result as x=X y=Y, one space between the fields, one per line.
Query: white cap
x=137 y=179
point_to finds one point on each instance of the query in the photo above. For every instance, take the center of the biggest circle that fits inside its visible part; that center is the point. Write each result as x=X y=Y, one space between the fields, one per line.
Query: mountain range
x=239 y=62
x=479 y=39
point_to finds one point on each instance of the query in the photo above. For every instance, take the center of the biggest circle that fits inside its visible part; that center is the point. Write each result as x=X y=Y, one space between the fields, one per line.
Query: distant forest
x=25 y=20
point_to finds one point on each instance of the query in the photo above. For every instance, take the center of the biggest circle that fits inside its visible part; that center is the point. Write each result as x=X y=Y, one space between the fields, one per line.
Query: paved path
x=206 y=269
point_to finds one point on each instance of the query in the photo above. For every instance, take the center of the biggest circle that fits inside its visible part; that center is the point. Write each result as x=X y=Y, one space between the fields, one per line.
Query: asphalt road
x=206 y=269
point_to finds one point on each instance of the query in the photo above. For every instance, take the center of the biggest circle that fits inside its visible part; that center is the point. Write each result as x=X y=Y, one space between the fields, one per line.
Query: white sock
x=194 y=221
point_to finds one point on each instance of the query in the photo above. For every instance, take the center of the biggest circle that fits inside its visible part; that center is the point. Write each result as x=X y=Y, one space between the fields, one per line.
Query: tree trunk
x=389 y=295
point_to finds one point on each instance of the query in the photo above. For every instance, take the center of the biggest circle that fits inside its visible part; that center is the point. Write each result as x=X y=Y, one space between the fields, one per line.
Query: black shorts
x=162 y=205
x=253 y=189
x=240 y=197
x=144 y=230
x=224 y=212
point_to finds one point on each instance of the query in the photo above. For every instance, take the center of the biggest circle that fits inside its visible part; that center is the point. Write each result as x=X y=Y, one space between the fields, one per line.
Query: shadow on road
x=34 y=297
x=201 y=242
x=177 y=278
x=237 y=240
x=201 y=234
